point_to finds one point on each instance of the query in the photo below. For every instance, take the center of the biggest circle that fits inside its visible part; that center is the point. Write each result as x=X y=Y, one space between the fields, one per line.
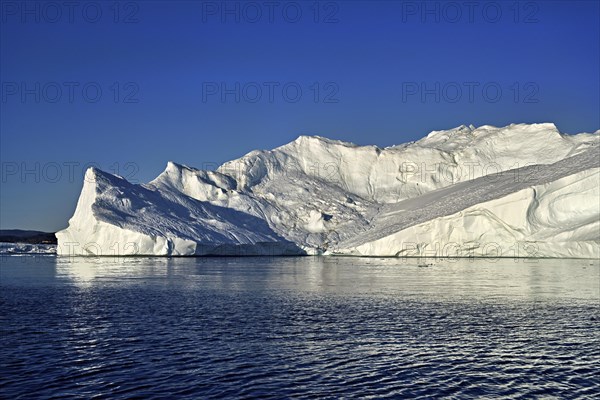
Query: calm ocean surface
x=298 y=327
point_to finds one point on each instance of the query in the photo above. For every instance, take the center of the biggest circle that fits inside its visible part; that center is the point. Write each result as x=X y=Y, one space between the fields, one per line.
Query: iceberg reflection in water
x=307 y=326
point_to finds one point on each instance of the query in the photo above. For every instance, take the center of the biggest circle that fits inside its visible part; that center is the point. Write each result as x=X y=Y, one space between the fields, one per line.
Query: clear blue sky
x=169 y=72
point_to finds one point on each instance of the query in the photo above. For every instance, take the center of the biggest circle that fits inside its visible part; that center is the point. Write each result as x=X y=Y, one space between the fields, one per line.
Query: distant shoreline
x=30 y=237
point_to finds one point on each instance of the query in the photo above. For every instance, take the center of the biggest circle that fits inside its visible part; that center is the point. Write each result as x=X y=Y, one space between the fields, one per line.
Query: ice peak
x=462 y=129
x=93 y=174
x=465 y=128
x=303 y=139
x=175 y=167
x=546 y=125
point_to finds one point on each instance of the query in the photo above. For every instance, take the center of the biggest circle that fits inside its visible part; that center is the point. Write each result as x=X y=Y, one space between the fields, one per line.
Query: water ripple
x=183 y=335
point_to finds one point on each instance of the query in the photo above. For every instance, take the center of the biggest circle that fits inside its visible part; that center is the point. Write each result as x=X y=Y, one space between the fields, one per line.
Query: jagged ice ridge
x=524 y=190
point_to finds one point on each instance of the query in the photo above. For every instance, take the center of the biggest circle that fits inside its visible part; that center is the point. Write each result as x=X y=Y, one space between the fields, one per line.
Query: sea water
x=277 y=327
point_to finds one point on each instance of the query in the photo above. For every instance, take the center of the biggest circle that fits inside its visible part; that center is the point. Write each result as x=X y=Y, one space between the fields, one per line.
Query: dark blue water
x=298 y=327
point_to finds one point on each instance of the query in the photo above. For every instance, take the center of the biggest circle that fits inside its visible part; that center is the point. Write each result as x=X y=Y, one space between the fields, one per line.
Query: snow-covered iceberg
x=517 y=191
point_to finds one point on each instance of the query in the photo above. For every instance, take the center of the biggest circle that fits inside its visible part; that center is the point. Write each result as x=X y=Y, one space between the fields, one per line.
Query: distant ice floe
x=26 y=248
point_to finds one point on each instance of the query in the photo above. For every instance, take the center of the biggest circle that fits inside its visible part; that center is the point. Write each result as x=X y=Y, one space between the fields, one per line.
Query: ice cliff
x=523 y=190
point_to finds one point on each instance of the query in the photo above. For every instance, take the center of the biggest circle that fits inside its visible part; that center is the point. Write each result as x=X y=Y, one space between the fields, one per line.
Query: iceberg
x=524 y=190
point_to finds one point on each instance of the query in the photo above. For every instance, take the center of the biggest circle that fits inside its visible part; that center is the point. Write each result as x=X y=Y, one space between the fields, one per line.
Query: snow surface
x=521 y=190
